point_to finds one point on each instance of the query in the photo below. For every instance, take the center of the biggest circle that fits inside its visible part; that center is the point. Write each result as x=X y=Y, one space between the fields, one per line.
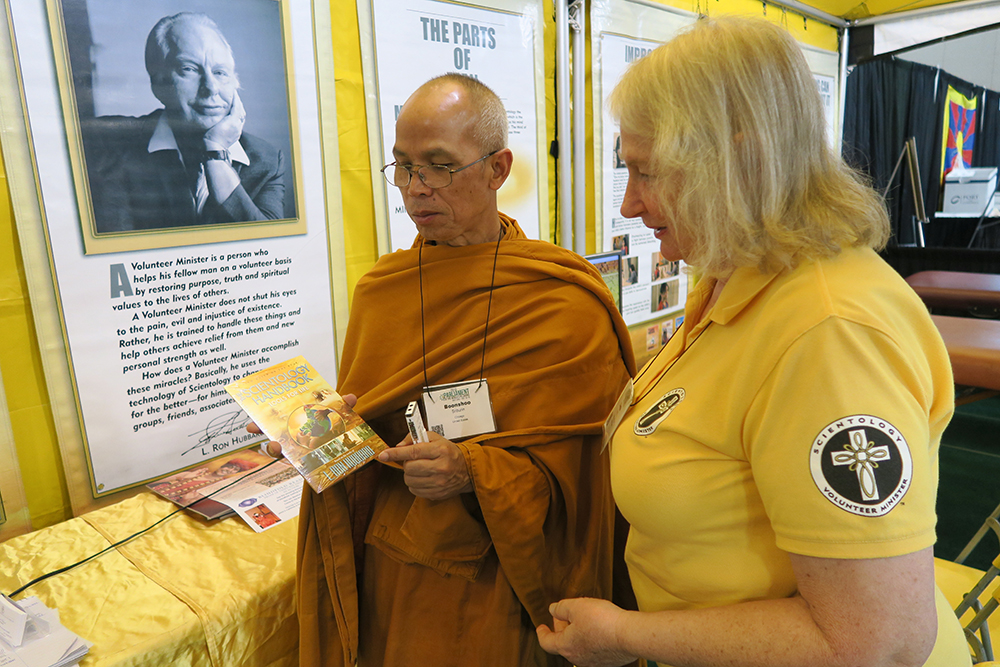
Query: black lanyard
x=489 y=307
x=663 y=373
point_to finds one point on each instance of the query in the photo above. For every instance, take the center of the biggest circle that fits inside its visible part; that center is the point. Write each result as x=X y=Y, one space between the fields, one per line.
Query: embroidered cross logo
x=862 y=456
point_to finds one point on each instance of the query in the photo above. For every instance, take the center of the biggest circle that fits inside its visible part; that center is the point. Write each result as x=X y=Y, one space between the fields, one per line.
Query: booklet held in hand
x=322 y=437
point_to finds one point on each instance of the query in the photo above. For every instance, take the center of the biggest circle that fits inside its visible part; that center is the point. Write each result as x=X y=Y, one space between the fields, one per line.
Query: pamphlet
x=265 y=497
x=322 y=437
x=12 y=621
x=191 y=488
x=46 y=643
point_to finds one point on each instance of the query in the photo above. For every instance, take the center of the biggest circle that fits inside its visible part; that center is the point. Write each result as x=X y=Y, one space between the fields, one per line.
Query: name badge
x=622 y=405
x=460 y=409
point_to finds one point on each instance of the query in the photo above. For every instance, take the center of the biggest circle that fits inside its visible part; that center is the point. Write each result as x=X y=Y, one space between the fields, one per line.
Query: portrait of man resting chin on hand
x=189 y=163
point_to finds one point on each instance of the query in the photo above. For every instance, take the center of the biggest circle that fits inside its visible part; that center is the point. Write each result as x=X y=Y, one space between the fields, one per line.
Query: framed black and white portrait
x=179 y=119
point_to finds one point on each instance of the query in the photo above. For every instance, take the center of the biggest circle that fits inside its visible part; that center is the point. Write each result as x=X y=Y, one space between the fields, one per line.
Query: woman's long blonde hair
x=737 y=137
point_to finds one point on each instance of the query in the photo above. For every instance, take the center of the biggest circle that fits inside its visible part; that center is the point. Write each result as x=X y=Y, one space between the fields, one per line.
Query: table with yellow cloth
x=189 y=593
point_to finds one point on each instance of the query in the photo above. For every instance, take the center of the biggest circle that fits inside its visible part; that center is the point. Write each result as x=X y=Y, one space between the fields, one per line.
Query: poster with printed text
x=621 y=32
x=652 y=287
x=150 y=333
x=499 y=47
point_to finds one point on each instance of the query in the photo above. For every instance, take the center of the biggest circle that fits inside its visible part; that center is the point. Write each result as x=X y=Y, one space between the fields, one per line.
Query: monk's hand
x=273 y=448
x=434 y=470
x=586 y=632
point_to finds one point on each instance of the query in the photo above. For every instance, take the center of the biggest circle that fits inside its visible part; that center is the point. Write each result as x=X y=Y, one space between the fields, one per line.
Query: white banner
x=653 y=290
x=623 y=31
x=154 y=333
x=501 y=48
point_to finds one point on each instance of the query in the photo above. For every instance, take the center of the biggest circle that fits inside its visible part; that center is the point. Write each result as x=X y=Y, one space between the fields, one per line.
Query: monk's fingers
x=273 y=449
x=404 y=453
x=350 y=399
x=253 y=428
x=549 y=641
x=405 y=442
x=423 y=468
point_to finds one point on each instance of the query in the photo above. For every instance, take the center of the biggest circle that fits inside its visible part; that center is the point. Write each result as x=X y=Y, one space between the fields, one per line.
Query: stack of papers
x=32 y=636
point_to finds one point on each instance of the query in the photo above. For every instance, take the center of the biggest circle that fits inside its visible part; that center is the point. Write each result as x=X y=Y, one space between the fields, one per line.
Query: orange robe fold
x=464 y=581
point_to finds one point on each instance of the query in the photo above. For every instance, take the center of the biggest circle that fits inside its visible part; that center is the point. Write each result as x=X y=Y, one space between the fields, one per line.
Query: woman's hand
x=872 y=612
x=585 y=632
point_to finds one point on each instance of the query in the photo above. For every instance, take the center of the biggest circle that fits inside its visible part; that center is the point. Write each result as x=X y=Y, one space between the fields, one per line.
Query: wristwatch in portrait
x=218 y=155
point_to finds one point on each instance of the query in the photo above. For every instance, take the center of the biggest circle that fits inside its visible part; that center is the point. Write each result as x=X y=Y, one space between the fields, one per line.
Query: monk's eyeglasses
x=433 y=176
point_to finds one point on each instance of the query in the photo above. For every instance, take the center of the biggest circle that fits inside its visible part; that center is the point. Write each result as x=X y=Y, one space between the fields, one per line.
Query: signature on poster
x=220 y=425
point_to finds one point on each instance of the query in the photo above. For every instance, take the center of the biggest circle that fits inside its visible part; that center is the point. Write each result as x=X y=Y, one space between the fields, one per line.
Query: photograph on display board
x=620 y=243
x=616 y=159
x=179 y=121
x=666 y=331
x=609 y=265
x=631 y=270
x=652 y=337
x=662 y=268
x=664 y=295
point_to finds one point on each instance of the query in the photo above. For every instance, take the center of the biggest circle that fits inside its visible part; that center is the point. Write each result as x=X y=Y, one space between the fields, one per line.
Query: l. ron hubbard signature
x=224 y=424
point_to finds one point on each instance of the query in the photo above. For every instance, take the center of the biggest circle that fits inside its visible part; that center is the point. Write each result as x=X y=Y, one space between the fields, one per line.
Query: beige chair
x=977 y=592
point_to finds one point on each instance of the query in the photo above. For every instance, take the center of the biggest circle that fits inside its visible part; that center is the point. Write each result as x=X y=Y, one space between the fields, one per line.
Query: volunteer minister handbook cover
x=322 y=437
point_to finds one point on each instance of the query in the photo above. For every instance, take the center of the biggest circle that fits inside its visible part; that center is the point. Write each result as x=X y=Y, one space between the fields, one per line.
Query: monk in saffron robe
x=448 y=553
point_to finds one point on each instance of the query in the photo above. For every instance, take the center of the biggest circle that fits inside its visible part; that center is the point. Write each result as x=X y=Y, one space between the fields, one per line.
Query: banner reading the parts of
x=499 y=48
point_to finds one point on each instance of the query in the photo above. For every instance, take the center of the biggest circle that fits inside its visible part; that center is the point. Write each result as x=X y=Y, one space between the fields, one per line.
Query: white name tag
x=460 y=409
x=622 y=405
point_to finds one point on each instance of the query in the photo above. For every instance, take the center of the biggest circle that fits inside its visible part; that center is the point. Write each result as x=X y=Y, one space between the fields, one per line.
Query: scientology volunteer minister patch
x=862 y=464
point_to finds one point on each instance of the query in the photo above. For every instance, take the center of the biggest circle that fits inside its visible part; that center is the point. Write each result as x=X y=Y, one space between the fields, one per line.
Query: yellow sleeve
x=841 y=443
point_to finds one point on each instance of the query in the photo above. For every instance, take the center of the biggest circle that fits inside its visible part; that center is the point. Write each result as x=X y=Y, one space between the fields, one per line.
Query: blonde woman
x=779 y=463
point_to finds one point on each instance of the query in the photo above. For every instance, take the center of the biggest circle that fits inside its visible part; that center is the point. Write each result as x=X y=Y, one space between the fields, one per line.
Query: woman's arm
x=876 y=612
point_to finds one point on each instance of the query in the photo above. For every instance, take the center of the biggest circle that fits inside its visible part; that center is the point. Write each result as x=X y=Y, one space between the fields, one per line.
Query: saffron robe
x=464 y=581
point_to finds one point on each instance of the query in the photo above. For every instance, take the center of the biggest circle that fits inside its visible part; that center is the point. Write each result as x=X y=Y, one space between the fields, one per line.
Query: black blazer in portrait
x=133 y=189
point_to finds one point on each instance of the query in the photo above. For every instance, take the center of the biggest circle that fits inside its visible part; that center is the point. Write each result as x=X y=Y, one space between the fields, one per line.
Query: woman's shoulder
x=856 y=285
x=858 y=289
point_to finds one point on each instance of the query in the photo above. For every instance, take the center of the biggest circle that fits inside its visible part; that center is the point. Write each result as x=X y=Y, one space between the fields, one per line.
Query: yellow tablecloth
x=190 y=593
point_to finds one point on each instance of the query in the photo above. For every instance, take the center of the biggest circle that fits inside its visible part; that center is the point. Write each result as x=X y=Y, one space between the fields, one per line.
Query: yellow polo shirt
x=802 y=414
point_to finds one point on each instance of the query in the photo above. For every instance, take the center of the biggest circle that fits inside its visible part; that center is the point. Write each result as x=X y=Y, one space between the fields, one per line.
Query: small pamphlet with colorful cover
x=322 y=437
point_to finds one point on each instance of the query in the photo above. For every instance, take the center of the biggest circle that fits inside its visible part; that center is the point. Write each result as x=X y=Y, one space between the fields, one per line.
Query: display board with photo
x=178 y=116
x=645 y=295
x=151 y=114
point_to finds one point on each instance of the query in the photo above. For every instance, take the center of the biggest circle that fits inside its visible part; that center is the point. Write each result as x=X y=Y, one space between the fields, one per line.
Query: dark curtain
x=987 y=154
x=889 y=100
